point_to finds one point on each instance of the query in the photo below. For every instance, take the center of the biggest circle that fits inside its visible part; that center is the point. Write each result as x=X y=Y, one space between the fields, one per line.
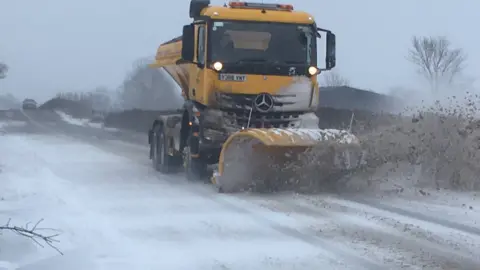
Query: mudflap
x=270 y=160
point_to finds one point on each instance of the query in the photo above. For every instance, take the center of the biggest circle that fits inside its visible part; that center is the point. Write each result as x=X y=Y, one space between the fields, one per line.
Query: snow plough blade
x=267 y=160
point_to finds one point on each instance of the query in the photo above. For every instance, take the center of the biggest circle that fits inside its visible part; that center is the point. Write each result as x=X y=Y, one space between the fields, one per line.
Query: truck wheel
x=195 y=167
x=161 y=160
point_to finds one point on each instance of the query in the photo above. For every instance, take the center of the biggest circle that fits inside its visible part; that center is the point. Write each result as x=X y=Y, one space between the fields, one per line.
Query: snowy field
x=115 y=212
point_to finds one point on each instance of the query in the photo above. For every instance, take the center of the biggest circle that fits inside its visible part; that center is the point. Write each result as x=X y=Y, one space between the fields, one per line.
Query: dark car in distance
x=29 y=104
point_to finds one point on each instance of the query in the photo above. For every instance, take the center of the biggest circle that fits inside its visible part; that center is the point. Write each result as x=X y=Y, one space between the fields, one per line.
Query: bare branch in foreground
x=34 y=234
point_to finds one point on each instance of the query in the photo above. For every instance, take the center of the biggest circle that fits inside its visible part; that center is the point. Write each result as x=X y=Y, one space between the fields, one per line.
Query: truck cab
x=239 y=66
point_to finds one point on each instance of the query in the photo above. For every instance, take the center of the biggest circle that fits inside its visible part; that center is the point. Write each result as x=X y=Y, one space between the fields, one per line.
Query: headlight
x=217 y=66
x=312 y=71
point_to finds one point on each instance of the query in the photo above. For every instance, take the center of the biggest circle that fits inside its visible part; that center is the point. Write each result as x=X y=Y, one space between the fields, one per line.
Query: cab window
x=201 y=45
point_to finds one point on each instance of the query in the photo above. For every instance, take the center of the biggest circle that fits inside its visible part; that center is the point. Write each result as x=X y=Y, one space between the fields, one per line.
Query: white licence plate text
x=233 y=77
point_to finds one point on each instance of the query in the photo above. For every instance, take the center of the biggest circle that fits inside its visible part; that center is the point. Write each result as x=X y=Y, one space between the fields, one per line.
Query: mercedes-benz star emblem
x=263 y=102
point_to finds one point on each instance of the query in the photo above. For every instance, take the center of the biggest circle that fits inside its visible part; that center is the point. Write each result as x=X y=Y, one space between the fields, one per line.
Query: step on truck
x=247 y=73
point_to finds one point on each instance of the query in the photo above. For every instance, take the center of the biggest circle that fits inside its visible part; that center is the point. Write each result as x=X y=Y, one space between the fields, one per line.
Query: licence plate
x=233 y=77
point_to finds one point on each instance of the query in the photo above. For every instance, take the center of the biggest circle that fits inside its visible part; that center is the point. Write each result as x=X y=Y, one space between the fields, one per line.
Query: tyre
x=162 y=162
x=195 y=167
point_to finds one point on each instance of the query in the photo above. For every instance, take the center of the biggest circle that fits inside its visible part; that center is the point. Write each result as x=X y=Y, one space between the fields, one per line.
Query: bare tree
x=3 y=70
x=436 y=60
x=333 y=78
x=147 y=88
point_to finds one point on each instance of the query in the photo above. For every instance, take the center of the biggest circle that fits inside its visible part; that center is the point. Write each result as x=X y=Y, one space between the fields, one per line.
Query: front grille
x=239 y=119
x=245 y=101
x=237 y=109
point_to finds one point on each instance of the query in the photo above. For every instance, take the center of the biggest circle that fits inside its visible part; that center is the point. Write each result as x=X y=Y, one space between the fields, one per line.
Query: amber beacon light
x=284 y=7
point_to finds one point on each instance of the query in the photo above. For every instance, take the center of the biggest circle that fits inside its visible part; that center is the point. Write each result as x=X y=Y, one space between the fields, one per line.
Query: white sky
x=66 y=45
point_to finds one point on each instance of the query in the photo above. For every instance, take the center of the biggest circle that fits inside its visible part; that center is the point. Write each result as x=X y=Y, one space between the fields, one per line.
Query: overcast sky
x=65 y=45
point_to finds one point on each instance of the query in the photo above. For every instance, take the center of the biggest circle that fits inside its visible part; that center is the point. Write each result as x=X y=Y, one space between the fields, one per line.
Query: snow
x=12 y=123
x=119 y=216
x=462 y=208
x=81 y=122
x=74 y=121
x=115 y=212
x=307 y=134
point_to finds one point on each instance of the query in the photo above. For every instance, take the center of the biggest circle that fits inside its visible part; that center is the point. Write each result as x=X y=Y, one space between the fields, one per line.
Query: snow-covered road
x=116 y=212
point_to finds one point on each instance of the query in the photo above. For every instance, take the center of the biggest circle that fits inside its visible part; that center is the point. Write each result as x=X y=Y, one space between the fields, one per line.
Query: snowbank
x=81 y=122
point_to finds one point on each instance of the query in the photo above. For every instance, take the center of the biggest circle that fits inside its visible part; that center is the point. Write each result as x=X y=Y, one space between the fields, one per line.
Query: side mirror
x=188 y=43
x=330 y=59
x=196 y=7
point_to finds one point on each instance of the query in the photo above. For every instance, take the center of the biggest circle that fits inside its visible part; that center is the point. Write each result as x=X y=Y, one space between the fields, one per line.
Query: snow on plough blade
x=266 y=160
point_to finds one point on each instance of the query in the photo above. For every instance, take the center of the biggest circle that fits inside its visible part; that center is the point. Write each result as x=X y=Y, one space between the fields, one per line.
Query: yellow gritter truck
x=248 y=75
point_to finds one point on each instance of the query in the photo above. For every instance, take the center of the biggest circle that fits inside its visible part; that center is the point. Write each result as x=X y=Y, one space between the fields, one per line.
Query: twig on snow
x=34 y=234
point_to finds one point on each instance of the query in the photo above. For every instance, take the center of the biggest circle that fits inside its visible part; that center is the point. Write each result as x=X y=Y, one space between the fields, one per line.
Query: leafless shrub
x=434 y=146
x=98 y=99
x=333 y=78
x=443 y=140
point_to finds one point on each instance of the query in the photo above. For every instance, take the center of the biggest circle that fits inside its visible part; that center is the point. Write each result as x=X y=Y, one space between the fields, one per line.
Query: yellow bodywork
x=206 y=82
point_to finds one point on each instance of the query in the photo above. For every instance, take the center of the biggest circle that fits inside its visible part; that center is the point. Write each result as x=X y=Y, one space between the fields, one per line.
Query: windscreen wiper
x=251 y=60
x=262 y=60
x=293 y=62
x=266 y=61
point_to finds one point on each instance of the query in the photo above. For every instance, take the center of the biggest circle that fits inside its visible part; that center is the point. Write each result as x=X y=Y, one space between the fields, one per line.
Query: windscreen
x=279 y=43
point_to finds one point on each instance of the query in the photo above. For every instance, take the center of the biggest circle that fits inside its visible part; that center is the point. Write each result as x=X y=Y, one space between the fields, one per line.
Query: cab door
x=197 y=79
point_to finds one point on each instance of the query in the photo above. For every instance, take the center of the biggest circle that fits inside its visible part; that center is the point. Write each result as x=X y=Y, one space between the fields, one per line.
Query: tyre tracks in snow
x=420 y=216
x=396 y=237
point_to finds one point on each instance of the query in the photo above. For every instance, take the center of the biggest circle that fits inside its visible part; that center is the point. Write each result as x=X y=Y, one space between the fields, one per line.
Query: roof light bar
x=286 y=7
